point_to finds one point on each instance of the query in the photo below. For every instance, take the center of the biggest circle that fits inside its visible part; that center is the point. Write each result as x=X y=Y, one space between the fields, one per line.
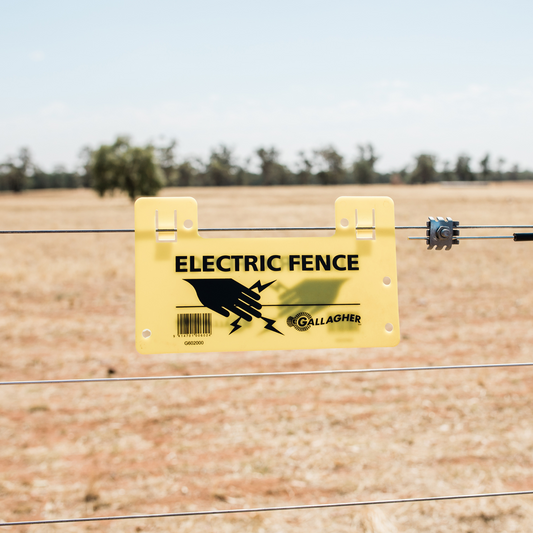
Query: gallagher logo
x=303 y=321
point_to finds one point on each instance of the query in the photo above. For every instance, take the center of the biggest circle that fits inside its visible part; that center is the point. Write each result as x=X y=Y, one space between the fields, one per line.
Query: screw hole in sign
x=344 y=222
x=188 y=224
x=387 y=280
x=146 y=333
x=389 y=327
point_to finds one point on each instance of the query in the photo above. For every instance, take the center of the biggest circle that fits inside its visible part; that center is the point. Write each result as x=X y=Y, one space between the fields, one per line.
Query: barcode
x=195 y=324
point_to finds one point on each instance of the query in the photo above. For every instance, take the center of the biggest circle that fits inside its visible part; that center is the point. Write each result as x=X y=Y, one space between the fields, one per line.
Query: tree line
x=144 y=170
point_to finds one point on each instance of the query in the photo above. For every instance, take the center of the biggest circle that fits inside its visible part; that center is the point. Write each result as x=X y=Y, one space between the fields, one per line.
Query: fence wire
x=264 y=374
x=272 y=228
x=265 y=509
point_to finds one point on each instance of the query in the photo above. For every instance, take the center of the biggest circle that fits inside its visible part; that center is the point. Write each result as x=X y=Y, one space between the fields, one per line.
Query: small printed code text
x=197 y=324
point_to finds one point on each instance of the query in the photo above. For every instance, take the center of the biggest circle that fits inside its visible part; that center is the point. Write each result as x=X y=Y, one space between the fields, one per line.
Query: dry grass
x=67 y=310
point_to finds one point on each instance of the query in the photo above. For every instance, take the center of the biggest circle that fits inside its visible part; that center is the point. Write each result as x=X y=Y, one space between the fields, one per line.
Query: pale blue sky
x=409 y=76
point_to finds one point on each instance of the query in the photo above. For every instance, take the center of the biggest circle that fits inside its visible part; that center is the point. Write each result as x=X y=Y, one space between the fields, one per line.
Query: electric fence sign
x=232 y=294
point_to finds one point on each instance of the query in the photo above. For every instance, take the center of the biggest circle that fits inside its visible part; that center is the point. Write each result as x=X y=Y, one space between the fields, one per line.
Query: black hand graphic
x=227 y=295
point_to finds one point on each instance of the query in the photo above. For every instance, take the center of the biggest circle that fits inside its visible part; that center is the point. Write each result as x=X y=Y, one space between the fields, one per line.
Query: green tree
x=363 y=169
x=17 y=172
x=121 y=166
x=501 y=163
x=424 y=171
x=59 y=178
x=486 y=171
x=305 y=169
x=447 y=173
x=399 y=176
x=462 y=169
x=85 y=155
x=272 y=171
x=221 y=167
x=332 y=164
x=187 y=174
x=513 y=174
x=106 y=166
x=242 y=176
x=166 y=157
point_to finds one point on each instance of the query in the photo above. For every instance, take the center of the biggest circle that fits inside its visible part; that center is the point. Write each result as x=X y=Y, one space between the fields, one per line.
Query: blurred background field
x=67 y=310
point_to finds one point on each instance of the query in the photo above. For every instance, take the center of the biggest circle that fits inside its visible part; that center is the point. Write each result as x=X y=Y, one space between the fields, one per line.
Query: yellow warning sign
x=195 y=294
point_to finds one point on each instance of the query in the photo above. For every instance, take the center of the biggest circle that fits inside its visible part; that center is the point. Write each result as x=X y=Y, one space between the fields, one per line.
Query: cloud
x=400 y=123
x=390 y=84
x=37 y=55
x=54 y=109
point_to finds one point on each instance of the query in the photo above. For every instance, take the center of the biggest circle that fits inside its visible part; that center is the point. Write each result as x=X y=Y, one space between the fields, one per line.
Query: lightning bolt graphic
x=235 y=325
x=261 y=288
x=270 y=324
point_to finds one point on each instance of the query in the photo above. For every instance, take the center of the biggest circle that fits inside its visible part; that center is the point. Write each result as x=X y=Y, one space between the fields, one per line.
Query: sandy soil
x=67 y=310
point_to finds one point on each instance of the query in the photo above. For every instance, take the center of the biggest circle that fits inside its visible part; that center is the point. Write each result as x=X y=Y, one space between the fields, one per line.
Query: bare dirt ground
x=67 y=310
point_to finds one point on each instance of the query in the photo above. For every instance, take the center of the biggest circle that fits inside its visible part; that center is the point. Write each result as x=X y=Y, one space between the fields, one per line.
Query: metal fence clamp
x=441 y=233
